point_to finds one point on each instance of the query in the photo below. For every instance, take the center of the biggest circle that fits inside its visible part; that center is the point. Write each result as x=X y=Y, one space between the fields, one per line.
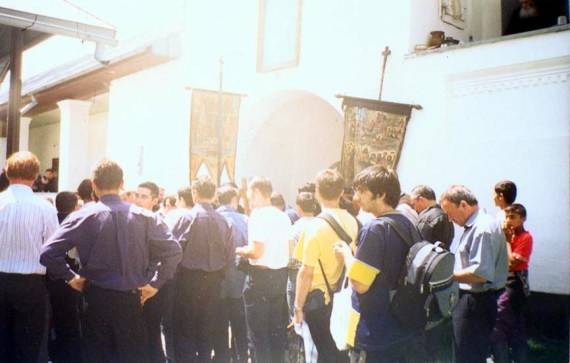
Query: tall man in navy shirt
x=126 y=254
x=206 y=240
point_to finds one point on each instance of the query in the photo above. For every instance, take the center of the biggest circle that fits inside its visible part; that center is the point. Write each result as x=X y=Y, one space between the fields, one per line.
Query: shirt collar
x=20 y=188
x=331 y=209
x=205 y=206
x=226 y=208
x=471 y=220
x=110 y=198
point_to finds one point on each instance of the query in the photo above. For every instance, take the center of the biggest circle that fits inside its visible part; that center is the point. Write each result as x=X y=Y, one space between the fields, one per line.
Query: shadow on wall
x=288 y=137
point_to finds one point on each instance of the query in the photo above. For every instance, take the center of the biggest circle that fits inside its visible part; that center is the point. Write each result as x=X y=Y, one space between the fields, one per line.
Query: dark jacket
x=434 y=225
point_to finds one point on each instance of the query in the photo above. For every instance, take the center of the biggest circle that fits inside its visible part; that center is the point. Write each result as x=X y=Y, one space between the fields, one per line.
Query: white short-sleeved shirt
x=272 y=227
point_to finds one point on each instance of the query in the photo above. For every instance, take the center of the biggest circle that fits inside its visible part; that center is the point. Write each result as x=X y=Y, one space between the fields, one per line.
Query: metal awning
x=37 y=23
x=26 y=23
x=85 y=77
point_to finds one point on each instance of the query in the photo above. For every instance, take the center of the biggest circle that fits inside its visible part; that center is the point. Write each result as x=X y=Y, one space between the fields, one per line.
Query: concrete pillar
x=25 y=133
x=73 y=143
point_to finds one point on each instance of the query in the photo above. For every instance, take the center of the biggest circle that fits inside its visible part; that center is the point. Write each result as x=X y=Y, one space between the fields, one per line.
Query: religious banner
x=214 y=116
x=374 y=133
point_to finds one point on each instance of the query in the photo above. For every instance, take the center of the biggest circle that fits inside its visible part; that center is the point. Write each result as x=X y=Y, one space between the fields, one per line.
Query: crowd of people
x=233 y=274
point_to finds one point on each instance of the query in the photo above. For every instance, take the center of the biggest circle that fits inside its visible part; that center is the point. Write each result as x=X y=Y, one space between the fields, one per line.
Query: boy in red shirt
x=509 y=331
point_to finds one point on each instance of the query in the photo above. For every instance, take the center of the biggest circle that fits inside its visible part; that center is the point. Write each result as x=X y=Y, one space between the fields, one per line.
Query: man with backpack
x=321 y=271
x=375 y=269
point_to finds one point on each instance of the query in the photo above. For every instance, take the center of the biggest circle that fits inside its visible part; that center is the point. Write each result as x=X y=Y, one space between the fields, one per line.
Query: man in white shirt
x=26 y=222
x=265 y=298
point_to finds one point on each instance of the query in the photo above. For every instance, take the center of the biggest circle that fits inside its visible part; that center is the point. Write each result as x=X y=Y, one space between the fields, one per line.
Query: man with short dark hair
x=147 y=195
x=208 y=250
x=49 y=181
x=504 y=195
x=433 y=223
x=155 y=309
x=65 y=338
x=65 y=203
x=265 y=292
x=26 y=222
x=85 y=192
x=321 y=266
x=481 y=270
x=127 y=254
x=278 y=201
x=434 y=226
x=306 y=205
x=376 y=268
x=232 y=309
x=185 y=198
x=184 y=203
x=4 y=183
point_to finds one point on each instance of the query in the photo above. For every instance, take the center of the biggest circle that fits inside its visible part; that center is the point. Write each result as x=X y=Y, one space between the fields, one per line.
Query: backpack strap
x=340 y=232
x=408 y=239
x=414 y=232
x=336 y=227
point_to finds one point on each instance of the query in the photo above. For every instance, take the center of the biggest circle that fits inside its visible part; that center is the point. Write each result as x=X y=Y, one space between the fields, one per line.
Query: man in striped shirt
x=26 y=222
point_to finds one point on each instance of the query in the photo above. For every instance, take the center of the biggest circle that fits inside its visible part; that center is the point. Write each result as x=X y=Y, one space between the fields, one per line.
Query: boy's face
x=514 y=220
x=364 y=198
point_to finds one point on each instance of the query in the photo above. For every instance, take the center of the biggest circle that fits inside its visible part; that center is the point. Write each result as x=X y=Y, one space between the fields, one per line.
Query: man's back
x=237 y=222
x=115 y=242
x=26 y=222
x=205 y=238
x=232 y=286
x=316 y=243
x=272 y=227
x=434 y=225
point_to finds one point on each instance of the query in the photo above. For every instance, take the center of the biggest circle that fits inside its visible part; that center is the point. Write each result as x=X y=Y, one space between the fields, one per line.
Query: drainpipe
x=101 y=55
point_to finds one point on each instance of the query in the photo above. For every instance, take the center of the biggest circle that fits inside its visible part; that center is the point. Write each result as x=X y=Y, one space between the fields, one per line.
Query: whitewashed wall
x=97 y=130
x=499 y=111
x=148 y=126
x=44 y=141
x=478 y=101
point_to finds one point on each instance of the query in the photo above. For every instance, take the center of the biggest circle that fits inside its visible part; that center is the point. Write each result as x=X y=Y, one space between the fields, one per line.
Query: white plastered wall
x=148 y=127
x=457 y=138
x=493 y=112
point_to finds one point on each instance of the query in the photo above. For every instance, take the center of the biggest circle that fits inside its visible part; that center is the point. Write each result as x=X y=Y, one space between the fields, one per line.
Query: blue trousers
x=473 y=321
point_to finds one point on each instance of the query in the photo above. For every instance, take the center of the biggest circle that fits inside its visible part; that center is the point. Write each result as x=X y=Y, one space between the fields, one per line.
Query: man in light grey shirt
x=481 y=270
x=26 y=222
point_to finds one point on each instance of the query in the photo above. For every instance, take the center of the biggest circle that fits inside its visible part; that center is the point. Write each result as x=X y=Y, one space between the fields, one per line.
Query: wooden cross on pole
x=386 y=53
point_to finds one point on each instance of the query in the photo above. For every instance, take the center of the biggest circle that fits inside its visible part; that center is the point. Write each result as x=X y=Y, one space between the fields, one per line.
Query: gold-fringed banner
x=374 y=134
x=205 y=118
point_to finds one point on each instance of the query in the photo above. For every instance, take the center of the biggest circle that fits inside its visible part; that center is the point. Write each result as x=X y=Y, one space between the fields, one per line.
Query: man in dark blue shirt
x=375 y=269
x=126 y=255
x=231 y=307
x=205 y=237
x=153 y=311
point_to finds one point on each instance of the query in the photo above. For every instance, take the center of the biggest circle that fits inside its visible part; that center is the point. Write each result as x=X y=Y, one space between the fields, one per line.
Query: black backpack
x=426 y=292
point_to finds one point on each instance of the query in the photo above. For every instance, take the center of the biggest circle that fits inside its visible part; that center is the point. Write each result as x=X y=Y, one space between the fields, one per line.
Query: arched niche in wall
x=288 y=137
